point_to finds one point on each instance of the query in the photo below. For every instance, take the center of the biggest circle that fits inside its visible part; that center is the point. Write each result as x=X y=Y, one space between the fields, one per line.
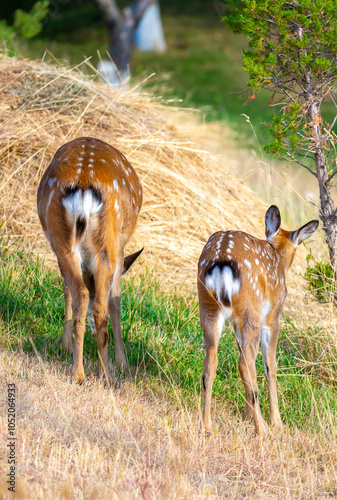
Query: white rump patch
x=78 y=205
x=222 y=282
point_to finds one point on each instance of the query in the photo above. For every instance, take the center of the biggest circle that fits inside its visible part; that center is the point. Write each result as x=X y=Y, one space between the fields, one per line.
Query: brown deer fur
x=88 y=203
x=242 y=279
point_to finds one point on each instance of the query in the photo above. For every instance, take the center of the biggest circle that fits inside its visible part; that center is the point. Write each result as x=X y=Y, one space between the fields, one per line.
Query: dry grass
x=90 y=442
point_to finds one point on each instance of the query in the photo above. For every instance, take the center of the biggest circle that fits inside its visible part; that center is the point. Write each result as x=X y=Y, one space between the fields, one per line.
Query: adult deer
x=242 y=279
x=88 y=203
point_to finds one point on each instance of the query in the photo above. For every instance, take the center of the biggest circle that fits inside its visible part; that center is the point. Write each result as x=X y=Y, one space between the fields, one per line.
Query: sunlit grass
x=163 y=342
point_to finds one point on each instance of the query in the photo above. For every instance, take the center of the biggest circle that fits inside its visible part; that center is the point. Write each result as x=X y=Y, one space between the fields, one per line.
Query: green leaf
x=29 y=24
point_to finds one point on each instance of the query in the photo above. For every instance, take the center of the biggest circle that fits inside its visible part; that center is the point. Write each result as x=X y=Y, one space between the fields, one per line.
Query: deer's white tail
x=81 y=211
x=223 y=281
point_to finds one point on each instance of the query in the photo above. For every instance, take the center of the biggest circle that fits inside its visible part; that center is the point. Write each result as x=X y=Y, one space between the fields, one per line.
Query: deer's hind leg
x=70 y=266
x=248 y=326
x=68 y=316
x=269 y=338
x=212 y=324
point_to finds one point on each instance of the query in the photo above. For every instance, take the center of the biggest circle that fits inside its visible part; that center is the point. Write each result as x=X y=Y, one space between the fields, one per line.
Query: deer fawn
x=88 y=203
x=242 y=279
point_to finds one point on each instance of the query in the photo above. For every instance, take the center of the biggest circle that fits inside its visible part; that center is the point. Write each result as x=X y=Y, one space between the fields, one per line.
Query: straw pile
x=187 y=195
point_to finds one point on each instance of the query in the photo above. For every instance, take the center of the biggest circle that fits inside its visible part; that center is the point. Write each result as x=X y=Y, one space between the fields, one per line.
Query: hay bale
x=187 y=194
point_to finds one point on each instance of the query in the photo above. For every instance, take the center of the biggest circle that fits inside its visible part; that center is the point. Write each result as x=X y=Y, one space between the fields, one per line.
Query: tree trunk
x=121 y=26
x=327 y=209
x=120 y=39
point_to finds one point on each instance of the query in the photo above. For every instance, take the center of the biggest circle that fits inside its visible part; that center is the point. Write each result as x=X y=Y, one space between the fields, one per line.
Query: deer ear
x=304 y=232
x=129 y=260
x=273 y=221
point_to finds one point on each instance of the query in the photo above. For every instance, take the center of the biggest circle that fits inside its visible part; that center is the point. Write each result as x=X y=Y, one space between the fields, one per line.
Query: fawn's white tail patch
x=82 y=208
x=222 y=279
x=82 y=204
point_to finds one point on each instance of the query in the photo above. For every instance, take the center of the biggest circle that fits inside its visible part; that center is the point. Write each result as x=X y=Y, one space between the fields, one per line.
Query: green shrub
x=26 y=25
x=320 y=280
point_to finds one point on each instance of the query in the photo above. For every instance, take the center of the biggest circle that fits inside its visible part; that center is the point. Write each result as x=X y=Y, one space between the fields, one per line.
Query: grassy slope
x=163 y=338
x=154 y=411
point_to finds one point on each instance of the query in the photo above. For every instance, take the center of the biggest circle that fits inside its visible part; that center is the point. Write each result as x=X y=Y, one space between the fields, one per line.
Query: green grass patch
x=163 y=341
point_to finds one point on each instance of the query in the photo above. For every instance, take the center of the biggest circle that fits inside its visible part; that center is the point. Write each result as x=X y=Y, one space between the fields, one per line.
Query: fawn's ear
x=304 y=232
x=273 y=221
x=129 y=260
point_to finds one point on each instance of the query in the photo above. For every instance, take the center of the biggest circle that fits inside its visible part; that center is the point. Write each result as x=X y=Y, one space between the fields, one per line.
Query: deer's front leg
x=115 y=313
